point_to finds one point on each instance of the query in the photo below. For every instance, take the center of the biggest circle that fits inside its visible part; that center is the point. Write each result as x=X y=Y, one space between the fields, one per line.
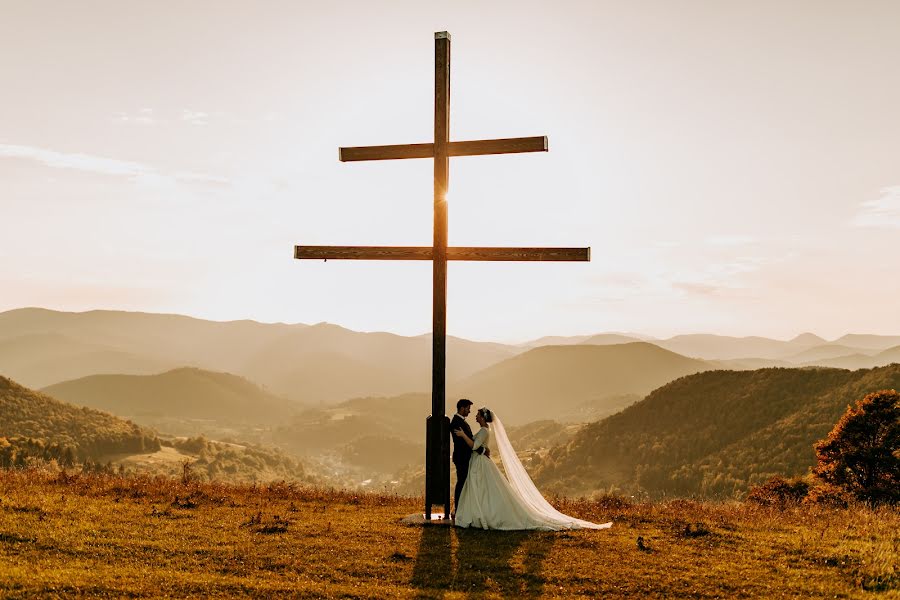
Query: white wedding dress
x=491 y=501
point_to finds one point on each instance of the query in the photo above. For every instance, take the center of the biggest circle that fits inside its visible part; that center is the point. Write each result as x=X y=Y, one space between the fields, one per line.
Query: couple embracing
x=483 y=497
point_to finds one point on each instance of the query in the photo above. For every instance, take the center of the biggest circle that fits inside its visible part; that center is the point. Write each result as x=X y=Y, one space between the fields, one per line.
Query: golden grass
x=97 y=536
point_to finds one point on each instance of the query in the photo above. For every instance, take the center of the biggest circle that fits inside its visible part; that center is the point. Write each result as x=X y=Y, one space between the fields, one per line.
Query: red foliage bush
x=862 y=453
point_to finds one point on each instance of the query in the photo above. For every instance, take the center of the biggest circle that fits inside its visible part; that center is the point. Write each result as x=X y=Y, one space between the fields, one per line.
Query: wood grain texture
x=435 y=446
x=453 y=253
x=397 y=151
x=499 y=146
x=464 y=148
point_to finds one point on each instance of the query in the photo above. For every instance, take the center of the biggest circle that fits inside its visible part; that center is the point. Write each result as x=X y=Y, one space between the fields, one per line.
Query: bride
x=490 y=501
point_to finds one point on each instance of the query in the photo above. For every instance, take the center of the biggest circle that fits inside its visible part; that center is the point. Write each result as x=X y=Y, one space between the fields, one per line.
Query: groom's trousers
x=462 y=471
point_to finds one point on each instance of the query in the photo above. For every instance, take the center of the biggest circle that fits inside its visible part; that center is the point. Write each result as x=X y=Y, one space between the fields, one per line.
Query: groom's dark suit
x=461 y=455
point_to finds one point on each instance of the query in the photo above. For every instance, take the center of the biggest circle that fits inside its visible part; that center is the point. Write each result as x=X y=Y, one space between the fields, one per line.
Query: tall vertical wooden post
x=437 y=428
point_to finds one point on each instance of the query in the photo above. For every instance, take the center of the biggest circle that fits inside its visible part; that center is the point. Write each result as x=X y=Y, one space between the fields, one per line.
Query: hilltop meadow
x=95 y=535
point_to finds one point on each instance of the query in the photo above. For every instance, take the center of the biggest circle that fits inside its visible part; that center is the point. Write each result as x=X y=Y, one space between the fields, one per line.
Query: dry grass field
x=105 y=536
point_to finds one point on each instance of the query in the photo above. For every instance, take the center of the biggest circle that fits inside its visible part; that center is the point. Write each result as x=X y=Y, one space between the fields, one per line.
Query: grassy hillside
x=111 y=537
x=90 y=434
x=546 y=382
x=713 y=433
x=185 y=393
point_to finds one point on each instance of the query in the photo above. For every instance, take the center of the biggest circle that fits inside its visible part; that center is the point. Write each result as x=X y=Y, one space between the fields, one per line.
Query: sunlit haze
x=735 y=167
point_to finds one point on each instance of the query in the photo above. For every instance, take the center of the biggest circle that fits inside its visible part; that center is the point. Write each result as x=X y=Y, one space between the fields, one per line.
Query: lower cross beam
x=453 y=253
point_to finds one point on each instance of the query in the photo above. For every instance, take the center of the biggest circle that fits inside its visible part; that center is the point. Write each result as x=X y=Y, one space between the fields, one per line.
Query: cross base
x=437 y=520
x=437 y=464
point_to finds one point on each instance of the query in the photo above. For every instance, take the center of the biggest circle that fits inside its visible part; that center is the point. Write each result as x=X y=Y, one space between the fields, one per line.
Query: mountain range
x=325 y=363
x=266 y=372
x=356 y=402
x=307 y=363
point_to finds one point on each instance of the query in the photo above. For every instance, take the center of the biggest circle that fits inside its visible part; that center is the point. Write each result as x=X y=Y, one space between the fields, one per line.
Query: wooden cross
x=437 y=434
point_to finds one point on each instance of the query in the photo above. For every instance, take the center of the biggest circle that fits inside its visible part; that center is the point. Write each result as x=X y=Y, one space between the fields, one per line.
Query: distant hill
x=824 y=352
x=360 y=439
x=556 y=340
x=891 y=355
x=850 y=362
x=40 y=359
x=185 y=393
x=540 y=435
x=598 y=339
x=552 y=380
x=327 y=363
x=178 y=339
x=26 y=414
x=723 y=347
x=318 y=363
x=749 y=364
x=605 y=339
x=849 y=352
x=871 y=342
x=807 y=339
x=866 y=360
x=401 y=417
x=712 y=434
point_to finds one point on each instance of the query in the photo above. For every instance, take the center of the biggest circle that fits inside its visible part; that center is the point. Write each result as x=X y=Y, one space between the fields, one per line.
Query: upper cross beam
x=467 y=148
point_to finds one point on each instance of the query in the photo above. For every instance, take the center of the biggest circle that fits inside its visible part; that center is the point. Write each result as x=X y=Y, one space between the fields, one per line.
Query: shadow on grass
x=506 y=562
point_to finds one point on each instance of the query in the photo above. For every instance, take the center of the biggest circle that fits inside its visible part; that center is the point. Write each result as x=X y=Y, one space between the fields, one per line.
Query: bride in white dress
x=491 y=501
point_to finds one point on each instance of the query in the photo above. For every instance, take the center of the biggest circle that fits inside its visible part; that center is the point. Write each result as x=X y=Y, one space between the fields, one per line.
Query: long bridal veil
x=521 y=482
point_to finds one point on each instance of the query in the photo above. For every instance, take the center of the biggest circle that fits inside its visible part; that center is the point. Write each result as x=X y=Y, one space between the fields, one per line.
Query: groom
x=461 y=450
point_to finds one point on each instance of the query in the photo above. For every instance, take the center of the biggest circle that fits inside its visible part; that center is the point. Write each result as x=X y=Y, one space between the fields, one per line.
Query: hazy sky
x=734 y=166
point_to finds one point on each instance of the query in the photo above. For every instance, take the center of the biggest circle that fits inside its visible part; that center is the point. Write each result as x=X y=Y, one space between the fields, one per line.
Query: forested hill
x=62 y=431
x=711 y=434
x=186 y=393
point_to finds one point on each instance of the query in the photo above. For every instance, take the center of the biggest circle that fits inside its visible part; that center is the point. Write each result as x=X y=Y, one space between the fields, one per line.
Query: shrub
x=828 y=495
x=862 y=453
x=778 y=492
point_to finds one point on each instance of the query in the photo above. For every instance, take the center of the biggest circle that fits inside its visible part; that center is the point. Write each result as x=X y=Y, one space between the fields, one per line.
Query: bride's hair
x=487 y=414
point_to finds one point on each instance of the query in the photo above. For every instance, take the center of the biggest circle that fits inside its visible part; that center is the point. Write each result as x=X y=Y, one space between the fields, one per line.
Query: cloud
x=143 y=117
x=697 y=289
x=730 y=240
x=81 y=162
x=882 y=212
x=105 y=166
x=717 y=277
x=194 y=117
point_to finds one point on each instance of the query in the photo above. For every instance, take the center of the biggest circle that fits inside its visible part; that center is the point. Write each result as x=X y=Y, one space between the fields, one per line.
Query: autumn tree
x=862 y=452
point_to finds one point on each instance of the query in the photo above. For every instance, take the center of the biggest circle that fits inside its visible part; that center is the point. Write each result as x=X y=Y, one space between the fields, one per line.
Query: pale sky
x=734 y=166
